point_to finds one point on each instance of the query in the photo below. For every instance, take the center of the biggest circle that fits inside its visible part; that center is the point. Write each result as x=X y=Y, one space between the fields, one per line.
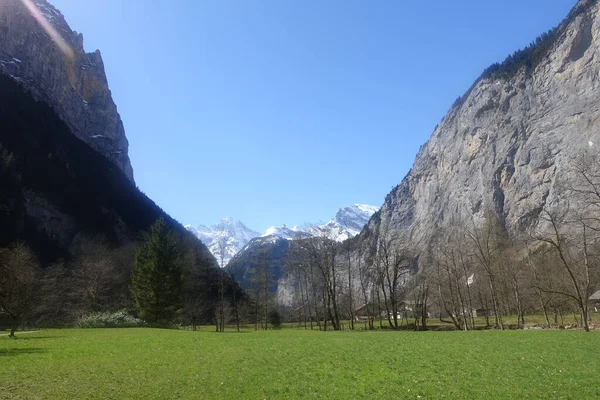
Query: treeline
x=165 y=281
x=73 y=224
x=473 y=274
x=529 y=57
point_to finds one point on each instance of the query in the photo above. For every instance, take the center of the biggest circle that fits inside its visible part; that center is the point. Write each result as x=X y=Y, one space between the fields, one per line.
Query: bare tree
x=222 y=242
x=391 y=266
x=318 y=257
x=367 y=288
x=576 y=256
x=95 y=277
x=348 y=256
x=542 y=267
x=486 y=240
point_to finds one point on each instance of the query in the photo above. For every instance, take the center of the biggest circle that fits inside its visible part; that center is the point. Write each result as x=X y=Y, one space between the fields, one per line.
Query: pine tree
x=156 y=282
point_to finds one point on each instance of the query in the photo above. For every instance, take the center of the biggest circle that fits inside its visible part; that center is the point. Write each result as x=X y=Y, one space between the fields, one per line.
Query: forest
x=473 y=269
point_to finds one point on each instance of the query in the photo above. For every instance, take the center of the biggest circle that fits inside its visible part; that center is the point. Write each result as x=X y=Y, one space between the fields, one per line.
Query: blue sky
x=282 y=111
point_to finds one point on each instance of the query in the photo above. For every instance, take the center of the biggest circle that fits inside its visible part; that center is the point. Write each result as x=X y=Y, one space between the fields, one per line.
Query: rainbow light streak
x=53 y=33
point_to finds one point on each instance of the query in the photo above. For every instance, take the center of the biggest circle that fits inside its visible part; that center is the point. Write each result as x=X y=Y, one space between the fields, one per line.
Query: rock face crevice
x=72 y=83
x=506 y=144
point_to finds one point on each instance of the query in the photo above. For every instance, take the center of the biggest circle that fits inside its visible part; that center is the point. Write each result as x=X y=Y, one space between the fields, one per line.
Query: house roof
x=595 y=296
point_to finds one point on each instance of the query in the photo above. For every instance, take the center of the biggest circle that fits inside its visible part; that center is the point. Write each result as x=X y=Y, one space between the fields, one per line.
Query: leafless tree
x=391 y=268
x=576 y=253
x=318 y=257
x=367 y=287
x=95 y=276
x=348 y=256
x=487 y=242
x=222 y=242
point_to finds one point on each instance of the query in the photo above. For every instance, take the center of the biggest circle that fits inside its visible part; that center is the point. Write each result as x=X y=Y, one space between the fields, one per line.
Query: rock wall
x=506 y=144
x=72 y=81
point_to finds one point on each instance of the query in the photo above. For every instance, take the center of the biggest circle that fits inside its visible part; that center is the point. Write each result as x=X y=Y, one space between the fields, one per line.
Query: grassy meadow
x=171 y=364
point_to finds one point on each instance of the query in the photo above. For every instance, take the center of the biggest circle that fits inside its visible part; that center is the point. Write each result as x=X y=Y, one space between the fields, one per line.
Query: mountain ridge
x=233 y=236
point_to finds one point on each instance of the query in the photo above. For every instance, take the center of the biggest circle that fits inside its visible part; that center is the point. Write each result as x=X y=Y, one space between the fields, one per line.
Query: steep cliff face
x=39 y=49
x=54 y=188
x=505 y=145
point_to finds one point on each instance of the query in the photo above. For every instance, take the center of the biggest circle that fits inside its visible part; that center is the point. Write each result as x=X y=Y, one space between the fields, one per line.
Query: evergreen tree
x=156 y=282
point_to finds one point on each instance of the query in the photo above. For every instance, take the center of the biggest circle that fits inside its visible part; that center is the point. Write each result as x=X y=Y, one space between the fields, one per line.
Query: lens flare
x=53 y=33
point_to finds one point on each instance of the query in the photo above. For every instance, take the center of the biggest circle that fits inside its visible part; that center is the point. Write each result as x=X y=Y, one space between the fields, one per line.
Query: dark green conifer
x=156 y=280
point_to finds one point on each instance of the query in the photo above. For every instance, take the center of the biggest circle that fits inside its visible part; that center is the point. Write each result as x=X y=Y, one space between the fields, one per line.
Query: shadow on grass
x=18 y=352
x=25 y=337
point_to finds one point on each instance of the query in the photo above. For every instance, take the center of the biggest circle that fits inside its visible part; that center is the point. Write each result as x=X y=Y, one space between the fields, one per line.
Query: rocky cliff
x=505 y=145
x=39 y=49
x=55 y=189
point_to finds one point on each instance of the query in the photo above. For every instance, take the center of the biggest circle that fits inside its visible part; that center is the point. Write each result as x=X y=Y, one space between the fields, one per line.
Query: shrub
x=119 y=319
x=275 y=319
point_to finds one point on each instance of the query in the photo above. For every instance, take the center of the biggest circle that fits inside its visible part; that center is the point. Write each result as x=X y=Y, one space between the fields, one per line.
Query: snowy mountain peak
x=347 y=223
x=228 y=236
x=224 y=239
x=283 y=232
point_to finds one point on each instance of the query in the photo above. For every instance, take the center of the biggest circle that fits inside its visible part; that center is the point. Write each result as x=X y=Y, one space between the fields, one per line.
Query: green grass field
x=166 y=364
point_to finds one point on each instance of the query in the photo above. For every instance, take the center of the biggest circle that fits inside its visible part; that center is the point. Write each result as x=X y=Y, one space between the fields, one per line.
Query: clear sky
x=282 y=111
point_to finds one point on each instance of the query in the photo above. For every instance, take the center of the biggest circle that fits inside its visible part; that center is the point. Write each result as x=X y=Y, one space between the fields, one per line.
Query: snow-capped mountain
x=224 y=239
x=347 y=223
x=232 y=235
x=284 y=232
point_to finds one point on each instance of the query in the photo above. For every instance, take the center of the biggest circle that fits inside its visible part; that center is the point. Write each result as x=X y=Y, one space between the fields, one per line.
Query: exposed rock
x=54 y=188
x=505 y=146
x=270 y=252
x=72 y=81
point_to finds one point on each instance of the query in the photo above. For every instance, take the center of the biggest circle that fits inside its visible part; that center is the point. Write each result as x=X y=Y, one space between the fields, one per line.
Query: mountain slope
x=270 y=252
x=52 y=64
x=55 y=187
x=347 y=223
x=505 y=145
x=233 y=236
x=225 y=239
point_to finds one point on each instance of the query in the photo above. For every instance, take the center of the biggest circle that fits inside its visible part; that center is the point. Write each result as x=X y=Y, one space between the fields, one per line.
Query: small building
x=595 y=301
x=362 y=313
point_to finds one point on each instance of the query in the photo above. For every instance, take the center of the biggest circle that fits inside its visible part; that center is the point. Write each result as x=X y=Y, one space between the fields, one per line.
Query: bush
x=275 y=319
x=119 y=319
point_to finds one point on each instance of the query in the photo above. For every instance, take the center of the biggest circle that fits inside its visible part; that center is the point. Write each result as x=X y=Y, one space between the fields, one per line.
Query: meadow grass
x=169 y=364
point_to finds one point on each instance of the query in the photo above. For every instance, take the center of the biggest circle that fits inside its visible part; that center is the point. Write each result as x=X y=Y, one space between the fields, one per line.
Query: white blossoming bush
x=119 y=319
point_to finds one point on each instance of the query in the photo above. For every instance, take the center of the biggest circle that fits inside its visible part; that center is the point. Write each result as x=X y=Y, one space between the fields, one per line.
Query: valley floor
x=169 y=364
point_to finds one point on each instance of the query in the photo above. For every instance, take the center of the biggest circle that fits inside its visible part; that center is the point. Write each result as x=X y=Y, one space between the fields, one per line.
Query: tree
x=18 y=269
x=199 y=290
x=156 y=281
x=391 y=268
x=261 y=282
x=95 y=275
x=487 y=240
x=577 y=257
x=275 y=319
x=222 y=242
x=348 y=248
x=320 y=255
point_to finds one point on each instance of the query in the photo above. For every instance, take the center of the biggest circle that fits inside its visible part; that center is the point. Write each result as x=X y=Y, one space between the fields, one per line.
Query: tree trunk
x=545 y=312
x=584 y=317
x=495 y=304
x=14 y=323
x=350 y=294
